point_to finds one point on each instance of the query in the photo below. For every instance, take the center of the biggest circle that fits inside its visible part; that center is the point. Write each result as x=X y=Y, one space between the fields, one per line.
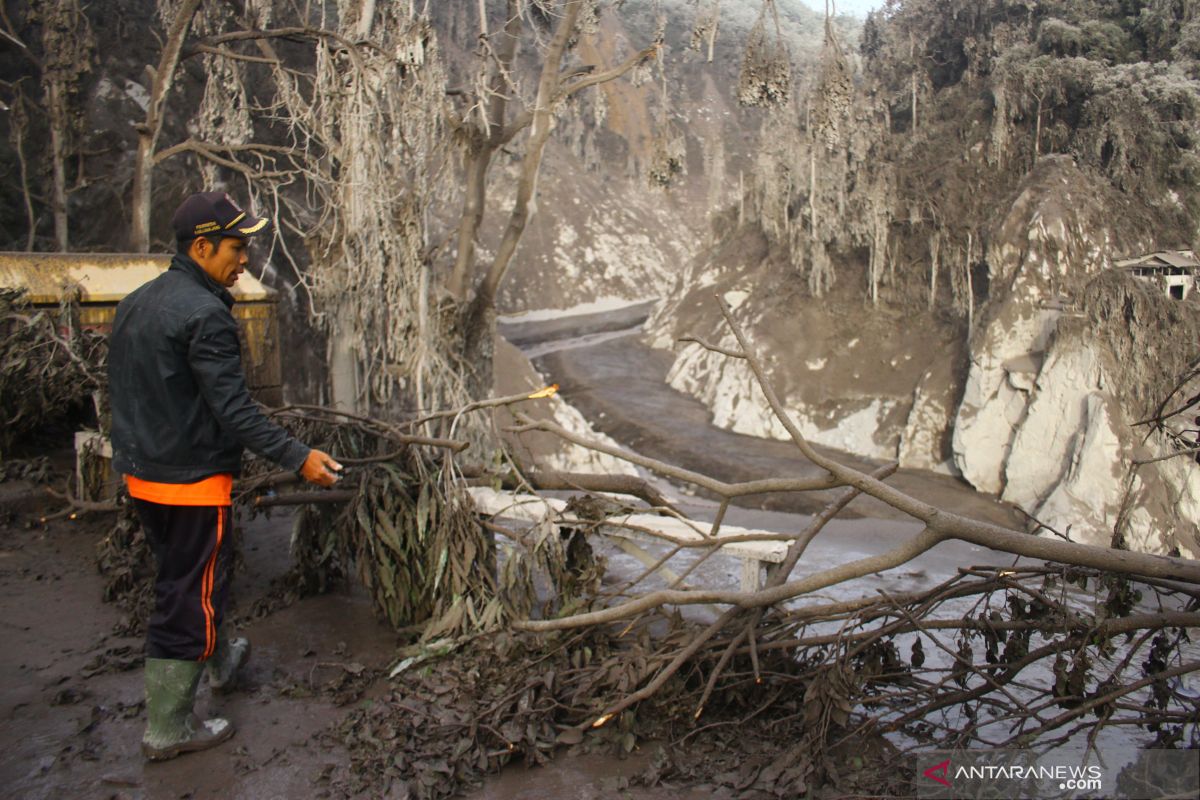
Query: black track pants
x=195 y=557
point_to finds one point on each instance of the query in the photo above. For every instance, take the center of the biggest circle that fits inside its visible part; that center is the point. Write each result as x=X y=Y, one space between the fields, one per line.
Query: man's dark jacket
x=181 y=410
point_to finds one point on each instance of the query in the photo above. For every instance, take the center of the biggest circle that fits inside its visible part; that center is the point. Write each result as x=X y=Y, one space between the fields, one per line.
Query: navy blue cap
x=205 y=213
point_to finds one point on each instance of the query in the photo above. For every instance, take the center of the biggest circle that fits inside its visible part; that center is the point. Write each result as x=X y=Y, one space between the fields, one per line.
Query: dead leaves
x=127 y=564
x=411 y=537
x=459 y=711
x=828 y=697
x=43 y=373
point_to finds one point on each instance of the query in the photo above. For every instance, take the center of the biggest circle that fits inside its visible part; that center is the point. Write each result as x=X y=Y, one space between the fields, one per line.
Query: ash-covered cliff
x=928 y=258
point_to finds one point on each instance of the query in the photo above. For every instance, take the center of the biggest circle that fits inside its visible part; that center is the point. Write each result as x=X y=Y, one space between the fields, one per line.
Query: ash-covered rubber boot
x=223 y=667
x=171 y=727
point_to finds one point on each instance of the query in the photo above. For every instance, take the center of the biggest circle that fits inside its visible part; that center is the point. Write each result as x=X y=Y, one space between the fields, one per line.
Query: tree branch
x=295 y=32
x=761 y=486
x=210 y=151
x=714 y=348
x=608 y=74
x=766 y=597
x=218 y=51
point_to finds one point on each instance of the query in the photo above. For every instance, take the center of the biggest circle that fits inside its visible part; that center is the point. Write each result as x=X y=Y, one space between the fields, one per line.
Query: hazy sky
x=858 y=8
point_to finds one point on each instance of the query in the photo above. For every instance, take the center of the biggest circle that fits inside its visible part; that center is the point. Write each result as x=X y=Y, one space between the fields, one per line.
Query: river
x=619 y=384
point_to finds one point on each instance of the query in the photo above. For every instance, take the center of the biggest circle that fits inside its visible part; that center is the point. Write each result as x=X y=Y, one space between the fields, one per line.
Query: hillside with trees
x=922 y=219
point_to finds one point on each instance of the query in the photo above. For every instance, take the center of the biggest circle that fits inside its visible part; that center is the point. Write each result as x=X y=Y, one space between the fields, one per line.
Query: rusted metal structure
x=103 y=279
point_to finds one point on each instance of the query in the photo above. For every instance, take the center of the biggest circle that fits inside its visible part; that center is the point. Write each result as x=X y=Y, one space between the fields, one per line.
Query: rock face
x=592 y=236
x=1164 y=503
x=1065 y=400
x=1045 y=249
x=1067 y=462
x=544 y=451
x=1068 y=355
x=925 y=440
x=1073 y=460
x=1065 y=356
x=879 y=384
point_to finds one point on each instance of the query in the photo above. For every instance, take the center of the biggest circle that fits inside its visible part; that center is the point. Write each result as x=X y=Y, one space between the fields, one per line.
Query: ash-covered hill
x=638 y=169
x=927 y=256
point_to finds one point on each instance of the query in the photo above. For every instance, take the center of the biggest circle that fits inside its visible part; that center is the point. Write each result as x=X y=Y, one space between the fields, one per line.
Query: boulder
x=1053 y=239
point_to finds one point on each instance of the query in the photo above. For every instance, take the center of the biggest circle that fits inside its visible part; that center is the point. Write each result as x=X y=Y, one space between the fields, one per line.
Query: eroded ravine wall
x=1038 y=405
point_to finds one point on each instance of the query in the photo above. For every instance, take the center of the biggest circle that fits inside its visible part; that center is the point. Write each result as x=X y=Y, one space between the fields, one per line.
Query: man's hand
x=320 y=468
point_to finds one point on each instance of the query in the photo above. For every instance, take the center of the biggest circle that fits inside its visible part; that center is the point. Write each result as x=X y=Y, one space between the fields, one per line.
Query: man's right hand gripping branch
x=320 y=468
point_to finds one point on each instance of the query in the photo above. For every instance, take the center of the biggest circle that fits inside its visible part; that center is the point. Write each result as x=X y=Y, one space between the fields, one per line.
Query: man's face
x=224 y=263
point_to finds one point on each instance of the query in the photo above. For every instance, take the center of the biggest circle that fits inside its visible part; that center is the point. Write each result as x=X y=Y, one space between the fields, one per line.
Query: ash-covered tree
x=54 y=39
x=494 y=111
x=343 y=122
x=954 y=104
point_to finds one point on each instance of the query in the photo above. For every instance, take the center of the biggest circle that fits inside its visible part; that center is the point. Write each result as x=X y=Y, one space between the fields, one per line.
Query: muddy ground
x=71 y=712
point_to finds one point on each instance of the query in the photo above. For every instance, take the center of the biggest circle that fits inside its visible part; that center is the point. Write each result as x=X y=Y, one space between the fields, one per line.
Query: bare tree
x=160 y=78
x=488 y=121
x=67 y=46
x=64 y=55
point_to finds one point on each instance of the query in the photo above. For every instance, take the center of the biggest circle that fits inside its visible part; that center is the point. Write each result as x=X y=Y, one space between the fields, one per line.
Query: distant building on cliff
x=1175 y=272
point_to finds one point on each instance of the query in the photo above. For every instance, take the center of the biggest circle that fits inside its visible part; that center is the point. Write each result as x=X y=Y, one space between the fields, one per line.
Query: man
x=181 y=416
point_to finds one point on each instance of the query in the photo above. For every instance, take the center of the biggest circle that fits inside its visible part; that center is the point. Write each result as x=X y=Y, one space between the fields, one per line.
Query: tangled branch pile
x=48 y=365
x=990 y=658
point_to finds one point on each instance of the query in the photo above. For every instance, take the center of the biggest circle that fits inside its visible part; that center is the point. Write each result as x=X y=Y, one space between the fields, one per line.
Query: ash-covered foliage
x=36 y=470
x=409 y=534
x=456 y=713
x=49 y=366
x=668 y=157
x=448 y=721
x=1130 y=318
x=953 y=103
x=766 y=75
x=817 y=705
x=127 y=566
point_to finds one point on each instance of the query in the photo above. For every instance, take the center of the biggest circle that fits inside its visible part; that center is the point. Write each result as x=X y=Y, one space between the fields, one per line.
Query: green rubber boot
x=171 y=727
x=223 y=667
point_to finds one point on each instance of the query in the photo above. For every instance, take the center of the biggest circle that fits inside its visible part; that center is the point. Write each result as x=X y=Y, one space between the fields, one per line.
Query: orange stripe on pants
x=210 y=629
